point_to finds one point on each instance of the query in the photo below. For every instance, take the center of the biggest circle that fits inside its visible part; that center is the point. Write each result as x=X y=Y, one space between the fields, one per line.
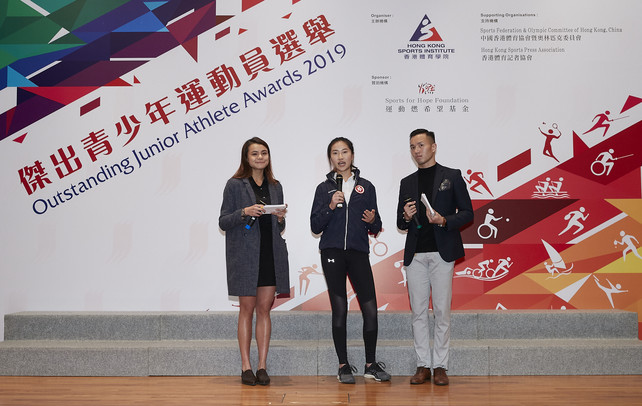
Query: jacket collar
x=439 y=174
x=250 y=191
x=355 y=172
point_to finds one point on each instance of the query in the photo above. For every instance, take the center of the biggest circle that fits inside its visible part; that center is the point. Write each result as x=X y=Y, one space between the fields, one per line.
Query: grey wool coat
x=242 y=246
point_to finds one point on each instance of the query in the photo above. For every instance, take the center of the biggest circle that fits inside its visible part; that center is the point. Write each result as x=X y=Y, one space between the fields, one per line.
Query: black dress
x=266 y=257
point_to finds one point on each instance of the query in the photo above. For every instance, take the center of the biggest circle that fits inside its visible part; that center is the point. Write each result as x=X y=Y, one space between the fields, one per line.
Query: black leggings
x=337 y=264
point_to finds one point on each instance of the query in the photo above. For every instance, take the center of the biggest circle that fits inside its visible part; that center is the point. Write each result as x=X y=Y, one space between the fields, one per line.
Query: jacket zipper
x=345 y=236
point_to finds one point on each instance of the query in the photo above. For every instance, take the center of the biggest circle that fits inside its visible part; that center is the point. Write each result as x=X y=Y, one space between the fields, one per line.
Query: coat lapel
x=273 y=193
x=439 y=177
x=250 y=191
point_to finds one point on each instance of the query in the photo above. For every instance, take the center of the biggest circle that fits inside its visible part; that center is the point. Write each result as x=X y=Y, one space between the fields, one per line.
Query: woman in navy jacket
x=344 y=214
x=255 y=252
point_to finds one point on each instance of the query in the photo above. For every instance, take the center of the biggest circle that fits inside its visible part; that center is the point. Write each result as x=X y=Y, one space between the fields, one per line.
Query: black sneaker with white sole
x=345 y=373
x=376 y=372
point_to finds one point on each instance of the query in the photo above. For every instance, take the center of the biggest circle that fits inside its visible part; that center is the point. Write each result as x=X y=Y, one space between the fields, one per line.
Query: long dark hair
x=348 y=143
x=245 y=170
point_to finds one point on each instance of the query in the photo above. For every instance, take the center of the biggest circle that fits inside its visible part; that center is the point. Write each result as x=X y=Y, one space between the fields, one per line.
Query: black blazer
x=450 y=198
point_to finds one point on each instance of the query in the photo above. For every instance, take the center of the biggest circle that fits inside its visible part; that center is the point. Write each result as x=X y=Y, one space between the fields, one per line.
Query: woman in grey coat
x=255 y=252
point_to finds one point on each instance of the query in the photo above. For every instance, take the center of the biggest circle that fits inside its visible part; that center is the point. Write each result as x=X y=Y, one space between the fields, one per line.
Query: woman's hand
x=368 y=216
x=254 y=211
x=280 y=214
x=337 y=198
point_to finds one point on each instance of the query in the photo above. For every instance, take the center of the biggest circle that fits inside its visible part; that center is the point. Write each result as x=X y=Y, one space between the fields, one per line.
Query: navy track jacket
x=343 y=227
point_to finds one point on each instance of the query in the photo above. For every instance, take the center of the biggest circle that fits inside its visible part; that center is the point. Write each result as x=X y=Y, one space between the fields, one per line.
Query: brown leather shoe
x=440 y=377
x=421 y=376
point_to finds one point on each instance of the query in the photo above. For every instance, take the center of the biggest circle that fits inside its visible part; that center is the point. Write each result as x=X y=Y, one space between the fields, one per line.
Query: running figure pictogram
x=478 y=178
x=603 y=121
x=573 y=218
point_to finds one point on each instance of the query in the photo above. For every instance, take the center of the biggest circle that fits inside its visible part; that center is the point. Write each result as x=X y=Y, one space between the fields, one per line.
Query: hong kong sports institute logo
x=426 y=32
x=426 y=44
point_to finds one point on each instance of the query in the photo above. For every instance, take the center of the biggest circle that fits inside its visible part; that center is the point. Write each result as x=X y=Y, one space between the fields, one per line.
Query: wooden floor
x=323 y=390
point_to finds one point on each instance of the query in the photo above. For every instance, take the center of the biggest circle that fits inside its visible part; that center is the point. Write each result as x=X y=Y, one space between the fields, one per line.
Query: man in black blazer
x=433 y=243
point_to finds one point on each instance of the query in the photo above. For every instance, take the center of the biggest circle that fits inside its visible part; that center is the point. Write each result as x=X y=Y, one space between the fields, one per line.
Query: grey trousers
x=429 y=273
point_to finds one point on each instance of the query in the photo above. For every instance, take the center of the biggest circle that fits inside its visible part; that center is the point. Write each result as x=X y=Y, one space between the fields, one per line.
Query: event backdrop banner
x=121 y=121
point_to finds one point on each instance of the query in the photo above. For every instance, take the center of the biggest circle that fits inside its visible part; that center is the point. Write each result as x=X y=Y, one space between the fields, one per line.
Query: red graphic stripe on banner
x=118 y=82
x=5 y=122
x=20 y=139
x=631 y=102
x=89 y=106
x=513 y=165
x=221 y=34
x=247 y=4
x=579 y=146
x=61 y=94
x=191 y=46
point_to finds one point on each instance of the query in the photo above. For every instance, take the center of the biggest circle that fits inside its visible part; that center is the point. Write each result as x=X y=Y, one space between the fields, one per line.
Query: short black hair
x=423 y=131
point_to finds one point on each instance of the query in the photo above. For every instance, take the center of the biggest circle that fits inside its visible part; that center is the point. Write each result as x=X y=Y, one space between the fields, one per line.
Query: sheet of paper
x=424 y=200
x=271 y=208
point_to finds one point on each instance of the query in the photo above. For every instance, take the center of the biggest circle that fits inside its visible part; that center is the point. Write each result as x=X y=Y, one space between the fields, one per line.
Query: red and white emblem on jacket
x=359 y=189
